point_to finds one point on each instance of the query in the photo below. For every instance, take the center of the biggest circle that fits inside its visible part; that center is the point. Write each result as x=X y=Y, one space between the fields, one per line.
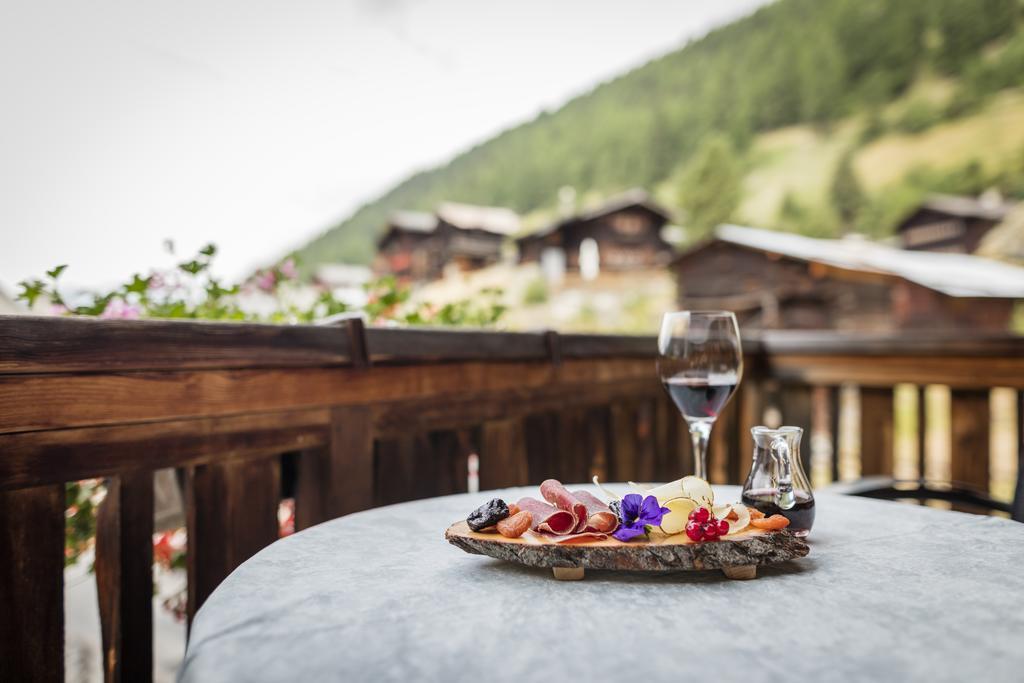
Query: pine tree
x=847 y=194
x=711 y=187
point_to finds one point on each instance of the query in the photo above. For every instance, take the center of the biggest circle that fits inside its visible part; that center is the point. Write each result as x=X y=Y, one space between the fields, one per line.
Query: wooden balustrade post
x=723 y=450
x=541 y=437
x=922 y=433
x=124 y=576
x=623 y=463
x=503 y=454
x=835 y=420
x=969 y=422
x=876 y=431
x=32 y=584
x=338 y=478
x=231 y=513
x=1018 y=498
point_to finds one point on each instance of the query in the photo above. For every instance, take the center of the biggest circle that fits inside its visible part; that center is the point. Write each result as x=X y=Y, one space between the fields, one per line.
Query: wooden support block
x=124 y=577
x=568 y=573
x=969 y=422
x=743 y=573
x=32 y=584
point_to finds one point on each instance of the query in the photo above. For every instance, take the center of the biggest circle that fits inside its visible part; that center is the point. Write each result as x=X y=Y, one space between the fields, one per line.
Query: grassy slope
x=801 y=159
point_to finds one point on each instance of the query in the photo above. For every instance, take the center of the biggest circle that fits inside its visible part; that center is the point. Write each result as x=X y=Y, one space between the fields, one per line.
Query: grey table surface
x=888 y=592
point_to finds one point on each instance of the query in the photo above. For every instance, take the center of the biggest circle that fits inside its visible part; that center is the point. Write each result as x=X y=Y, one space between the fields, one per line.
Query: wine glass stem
x=700 y=432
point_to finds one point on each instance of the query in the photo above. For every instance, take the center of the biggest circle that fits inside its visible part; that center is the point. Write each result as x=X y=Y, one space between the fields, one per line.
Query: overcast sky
x=257 y=124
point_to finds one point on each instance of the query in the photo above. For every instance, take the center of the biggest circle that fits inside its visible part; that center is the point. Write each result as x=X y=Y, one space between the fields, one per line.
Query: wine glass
x=700 y=362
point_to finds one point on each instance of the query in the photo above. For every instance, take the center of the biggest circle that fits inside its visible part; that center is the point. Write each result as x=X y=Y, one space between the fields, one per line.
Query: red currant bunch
x=704 y=527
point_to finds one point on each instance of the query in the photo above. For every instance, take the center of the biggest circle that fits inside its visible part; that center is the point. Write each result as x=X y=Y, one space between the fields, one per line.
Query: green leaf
x=31 y=290
x=55 y=273
x=194 y=267
x=209 y=250
x=138 y=285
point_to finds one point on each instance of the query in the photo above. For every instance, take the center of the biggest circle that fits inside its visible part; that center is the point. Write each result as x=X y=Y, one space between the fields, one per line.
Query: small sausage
x=513 y=509
x=516 y=525
x=773 y=523
x=755 y=513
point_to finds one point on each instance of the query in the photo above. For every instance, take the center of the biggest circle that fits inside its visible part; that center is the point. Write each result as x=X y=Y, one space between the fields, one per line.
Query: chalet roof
x=634 y=197
x=412 y=221
x=957 y=275
x=494 y=219
x=989 y=207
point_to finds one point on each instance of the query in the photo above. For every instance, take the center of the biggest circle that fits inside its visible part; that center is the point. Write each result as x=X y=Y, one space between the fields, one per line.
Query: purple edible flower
x=636 y=514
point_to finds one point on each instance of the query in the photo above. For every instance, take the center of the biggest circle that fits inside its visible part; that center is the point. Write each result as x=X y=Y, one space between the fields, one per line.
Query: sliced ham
x=600 y=519
x=580 y=538
x=548 y=518
x=553 y=492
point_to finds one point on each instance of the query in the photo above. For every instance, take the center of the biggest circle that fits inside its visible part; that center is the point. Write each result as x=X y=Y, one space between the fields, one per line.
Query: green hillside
x=809 y=102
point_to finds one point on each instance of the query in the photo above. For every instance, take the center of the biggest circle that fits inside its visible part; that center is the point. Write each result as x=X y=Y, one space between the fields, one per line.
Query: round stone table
x=889 y=592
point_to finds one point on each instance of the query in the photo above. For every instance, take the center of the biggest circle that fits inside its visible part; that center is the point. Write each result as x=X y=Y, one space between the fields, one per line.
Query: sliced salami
x=599 y=518
x=548 y=518
x=559 y=496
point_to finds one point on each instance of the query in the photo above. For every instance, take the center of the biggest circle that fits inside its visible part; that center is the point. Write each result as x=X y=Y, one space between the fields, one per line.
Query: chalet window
x=627 y=224
x=590 y=259
x=552 y=264
x=933 y=232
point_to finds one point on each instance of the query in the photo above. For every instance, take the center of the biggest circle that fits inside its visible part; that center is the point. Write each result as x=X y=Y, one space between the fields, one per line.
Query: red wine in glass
x=701 y=398
x=700 y=362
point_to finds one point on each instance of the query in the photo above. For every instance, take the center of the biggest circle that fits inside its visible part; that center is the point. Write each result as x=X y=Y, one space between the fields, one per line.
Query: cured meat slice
x=548 y=518
x=559 y=496
x=585 y=537
x=599 y=518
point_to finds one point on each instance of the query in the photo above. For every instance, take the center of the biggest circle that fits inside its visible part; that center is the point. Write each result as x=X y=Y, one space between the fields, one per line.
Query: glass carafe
x=777 y=484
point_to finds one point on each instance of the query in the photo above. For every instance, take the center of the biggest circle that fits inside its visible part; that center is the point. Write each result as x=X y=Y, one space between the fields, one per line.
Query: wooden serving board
x=737 y=556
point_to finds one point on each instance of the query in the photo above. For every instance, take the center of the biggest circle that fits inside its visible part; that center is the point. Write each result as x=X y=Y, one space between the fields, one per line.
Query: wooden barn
x=626 y=231
x=951 y=223
x=420 y=246
x=403 y=249
x=778 y=280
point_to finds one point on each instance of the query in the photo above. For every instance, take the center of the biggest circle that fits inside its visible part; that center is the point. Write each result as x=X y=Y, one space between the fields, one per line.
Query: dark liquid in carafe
x=800 y=516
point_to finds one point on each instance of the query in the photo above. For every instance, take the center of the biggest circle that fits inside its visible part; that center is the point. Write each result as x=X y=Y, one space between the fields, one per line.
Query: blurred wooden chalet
x=783 y=281
x=624 y=233
x=402 y=249
x=952 y=223
x=419 y=246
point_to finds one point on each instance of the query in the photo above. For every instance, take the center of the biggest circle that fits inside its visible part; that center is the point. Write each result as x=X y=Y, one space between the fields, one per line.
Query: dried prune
x=491 y=512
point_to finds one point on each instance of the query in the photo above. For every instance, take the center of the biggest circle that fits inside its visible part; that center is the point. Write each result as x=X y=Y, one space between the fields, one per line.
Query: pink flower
x=119 y=309
x=266 y=281
x=157 y=281
x=288 y=269
x=58 y=309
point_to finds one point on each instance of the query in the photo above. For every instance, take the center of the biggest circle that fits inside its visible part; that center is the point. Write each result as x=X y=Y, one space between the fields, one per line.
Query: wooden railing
x=371 y=417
